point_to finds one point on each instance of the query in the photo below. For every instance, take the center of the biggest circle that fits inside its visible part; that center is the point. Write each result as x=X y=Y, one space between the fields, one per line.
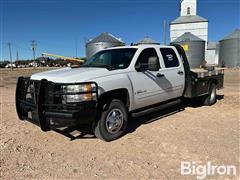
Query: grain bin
x=147 y=40
x=103 y=41
x=229 y=50
x=194 y=48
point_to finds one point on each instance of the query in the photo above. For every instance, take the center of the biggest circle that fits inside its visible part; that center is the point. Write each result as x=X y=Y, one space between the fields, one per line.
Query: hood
x=72 y=75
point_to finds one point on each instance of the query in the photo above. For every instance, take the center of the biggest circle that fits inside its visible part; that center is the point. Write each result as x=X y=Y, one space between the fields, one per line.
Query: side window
x=188 y=11
x=169 y=57
x=144 y=56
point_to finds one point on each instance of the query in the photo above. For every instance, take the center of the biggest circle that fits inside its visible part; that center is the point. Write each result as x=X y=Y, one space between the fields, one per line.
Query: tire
x=112 y=122
x=211 y=98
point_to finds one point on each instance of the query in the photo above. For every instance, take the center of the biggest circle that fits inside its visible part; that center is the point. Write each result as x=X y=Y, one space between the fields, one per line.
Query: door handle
x=160 y=75
x=180 y=72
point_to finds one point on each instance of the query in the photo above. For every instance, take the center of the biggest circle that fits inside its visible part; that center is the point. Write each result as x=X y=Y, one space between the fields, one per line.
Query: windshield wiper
x=108 y=67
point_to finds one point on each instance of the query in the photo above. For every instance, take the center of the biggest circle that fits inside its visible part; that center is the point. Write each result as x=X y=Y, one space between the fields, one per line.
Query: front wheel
x=113 y=121
x=211 y=98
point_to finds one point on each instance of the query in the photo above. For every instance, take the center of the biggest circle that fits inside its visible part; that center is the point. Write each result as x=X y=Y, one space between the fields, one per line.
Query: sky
x=59 y=26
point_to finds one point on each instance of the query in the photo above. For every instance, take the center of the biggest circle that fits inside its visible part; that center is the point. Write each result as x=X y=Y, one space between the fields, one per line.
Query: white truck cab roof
x=140 y=46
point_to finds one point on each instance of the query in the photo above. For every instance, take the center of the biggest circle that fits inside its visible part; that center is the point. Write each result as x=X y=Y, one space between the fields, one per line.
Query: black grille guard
x=43 y=95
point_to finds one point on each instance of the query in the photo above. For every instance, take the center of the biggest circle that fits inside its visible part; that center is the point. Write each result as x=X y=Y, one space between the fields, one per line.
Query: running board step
x=156 y=108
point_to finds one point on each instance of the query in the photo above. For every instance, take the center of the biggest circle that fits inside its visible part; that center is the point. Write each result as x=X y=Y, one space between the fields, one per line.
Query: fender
x=116 y=82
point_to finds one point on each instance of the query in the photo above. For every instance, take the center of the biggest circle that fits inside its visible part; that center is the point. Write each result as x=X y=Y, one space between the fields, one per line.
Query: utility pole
x=17 y=57
x=164 y=31
x=10 y=54
x=34 y=45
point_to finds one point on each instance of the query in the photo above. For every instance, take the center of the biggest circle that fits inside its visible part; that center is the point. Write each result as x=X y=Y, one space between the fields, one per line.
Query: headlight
x=83 y=88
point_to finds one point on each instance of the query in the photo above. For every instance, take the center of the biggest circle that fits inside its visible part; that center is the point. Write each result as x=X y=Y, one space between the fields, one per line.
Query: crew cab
x=110 y=86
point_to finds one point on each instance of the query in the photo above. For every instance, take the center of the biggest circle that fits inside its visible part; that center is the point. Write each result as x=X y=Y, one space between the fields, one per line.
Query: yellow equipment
x=63 y=57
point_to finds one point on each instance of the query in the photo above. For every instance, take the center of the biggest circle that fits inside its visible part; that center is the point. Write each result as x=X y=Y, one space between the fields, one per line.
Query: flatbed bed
x=201 y=73
x=198 y=81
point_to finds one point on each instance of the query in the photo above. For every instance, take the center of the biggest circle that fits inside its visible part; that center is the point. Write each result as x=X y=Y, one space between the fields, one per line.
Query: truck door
x=173 y=72
x=148 y=86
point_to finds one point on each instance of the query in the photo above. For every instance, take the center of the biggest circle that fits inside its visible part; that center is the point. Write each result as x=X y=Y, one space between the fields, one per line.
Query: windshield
x=111 y=59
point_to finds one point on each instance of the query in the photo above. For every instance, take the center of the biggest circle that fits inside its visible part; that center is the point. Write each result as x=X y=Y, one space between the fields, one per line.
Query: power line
x=20 y=47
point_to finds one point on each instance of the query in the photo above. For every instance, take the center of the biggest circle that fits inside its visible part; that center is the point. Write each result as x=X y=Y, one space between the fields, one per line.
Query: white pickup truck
x=110 y=86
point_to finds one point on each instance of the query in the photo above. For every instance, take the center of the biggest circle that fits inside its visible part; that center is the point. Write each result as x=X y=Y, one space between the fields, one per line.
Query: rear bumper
x=43 y=106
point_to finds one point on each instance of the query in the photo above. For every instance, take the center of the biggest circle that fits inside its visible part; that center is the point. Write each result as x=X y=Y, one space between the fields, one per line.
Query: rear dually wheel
x=211 y=98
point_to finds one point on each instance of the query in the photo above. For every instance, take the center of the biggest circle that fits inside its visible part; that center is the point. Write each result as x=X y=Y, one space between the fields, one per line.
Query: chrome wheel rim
x=114 y=121
x=213 y=95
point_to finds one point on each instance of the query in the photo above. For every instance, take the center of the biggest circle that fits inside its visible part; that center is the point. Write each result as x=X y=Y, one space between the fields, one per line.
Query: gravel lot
x=153 y=148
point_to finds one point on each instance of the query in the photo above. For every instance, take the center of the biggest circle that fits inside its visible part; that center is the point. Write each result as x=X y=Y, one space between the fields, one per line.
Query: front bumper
x=40 y=102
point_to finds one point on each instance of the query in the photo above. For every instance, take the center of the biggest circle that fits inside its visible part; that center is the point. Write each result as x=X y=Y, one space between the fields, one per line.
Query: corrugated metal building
x=189 y=21
x=212 y=53
x=194 y=48
x=147 y=40
x=103 y=41
x=229 y=50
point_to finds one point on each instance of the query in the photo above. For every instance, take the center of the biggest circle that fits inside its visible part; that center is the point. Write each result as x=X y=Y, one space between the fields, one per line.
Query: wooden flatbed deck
x=201 y=73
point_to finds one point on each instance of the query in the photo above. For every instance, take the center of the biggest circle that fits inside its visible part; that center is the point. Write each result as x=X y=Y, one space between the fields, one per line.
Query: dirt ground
x=153 y=148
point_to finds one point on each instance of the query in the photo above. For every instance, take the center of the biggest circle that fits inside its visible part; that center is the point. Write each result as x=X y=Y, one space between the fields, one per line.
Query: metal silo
x=229 y=50
x=194 y=48
x=147 y=40
x=103 y=41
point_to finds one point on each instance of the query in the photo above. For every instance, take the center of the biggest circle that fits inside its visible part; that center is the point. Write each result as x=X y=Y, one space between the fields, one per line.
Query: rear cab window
x=169 y=57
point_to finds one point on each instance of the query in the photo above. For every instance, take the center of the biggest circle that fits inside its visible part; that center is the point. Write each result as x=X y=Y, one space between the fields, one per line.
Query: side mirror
x=138 y=67
x=153 y=63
